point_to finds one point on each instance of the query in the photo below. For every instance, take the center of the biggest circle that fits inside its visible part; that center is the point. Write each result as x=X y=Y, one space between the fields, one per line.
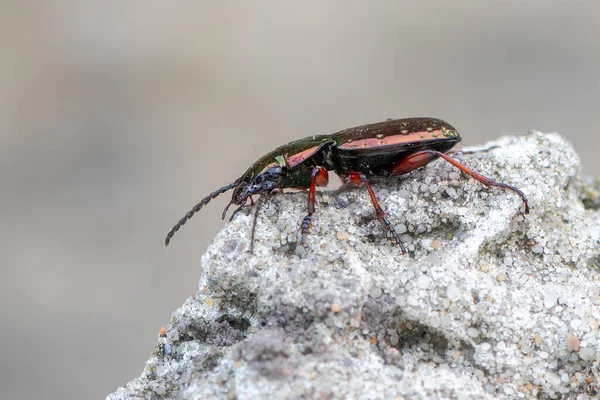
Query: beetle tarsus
x=304 y=228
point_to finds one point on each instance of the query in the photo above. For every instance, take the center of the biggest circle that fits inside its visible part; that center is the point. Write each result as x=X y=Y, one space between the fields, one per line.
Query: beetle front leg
x=318 y=177
x=421 y=158
x=248 y=208
x=358 y=179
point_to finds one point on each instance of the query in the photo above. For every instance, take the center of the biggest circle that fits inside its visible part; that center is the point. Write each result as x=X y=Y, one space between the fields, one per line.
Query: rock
x=573 y=342
x=355 y=319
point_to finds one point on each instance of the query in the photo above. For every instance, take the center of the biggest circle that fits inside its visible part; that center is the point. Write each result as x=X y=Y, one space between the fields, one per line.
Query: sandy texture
x=487 y=304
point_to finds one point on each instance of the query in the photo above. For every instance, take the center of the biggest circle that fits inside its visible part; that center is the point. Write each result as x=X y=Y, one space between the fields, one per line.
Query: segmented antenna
x=197 y=208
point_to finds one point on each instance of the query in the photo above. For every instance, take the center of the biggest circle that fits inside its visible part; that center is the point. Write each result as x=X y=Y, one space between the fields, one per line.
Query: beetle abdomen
x=373 y=149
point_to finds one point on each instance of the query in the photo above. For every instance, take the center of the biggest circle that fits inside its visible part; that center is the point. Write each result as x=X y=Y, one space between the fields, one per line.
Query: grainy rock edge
x=488 y=304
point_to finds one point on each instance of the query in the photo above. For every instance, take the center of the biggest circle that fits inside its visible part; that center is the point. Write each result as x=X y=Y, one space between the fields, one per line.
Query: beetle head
x=250 y=184
x=263 y=182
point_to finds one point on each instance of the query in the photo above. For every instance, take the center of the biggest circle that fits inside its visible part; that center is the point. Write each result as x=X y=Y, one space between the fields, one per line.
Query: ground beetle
x=392 y=147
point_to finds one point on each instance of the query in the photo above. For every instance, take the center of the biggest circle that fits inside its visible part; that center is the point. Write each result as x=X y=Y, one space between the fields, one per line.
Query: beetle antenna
x=197 y=208
x=259 y=203
x=465 y=150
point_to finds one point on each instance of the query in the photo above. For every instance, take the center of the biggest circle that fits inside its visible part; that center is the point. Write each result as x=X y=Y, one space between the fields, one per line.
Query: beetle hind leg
x=359 y=179
x=421 y=158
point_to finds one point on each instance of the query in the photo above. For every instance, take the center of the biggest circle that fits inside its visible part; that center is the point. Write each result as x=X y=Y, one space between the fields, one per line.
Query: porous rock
x=354 y=318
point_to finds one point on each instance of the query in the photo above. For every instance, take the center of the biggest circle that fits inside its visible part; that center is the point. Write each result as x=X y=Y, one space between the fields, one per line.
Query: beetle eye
x=274 y=170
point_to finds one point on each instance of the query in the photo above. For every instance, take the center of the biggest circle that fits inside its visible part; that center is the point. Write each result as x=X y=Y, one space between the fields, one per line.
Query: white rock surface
x=481 y=307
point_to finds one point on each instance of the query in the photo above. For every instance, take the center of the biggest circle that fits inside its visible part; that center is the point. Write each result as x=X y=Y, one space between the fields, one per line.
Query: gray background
x=117 y=117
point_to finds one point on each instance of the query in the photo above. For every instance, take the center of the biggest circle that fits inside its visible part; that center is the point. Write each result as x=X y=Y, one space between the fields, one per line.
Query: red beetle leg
x=422 y=157
x=319 y=177
x=358 y=179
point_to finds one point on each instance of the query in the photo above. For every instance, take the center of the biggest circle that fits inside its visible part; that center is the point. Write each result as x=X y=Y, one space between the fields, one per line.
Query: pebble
x=550 y=300
x=423 y=282
x=394 y=338
x=269 y=211
x=587 y=353
x=452 y=193
x=434 y=259
x=342 y=235
x=552 y=378
x=400 y=229
x=413 y=301
x=453 y=292
x=472 y=332
x=537 y=249
x=375 y=292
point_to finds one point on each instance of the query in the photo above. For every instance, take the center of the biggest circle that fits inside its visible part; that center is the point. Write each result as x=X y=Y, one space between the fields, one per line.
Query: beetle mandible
x=392 y=147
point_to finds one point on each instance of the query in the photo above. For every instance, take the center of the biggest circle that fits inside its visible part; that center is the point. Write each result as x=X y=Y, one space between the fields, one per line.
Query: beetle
x=391 y=147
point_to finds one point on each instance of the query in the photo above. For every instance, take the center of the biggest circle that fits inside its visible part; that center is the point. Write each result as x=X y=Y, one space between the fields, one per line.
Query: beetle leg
x=420 y=158
x=318 y=177
x=248 y=208
x=358 y=179
x=259 y=204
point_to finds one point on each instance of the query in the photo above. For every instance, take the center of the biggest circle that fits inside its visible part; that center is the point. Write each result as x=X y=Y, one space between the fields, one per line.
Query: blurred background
x=117 y=117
